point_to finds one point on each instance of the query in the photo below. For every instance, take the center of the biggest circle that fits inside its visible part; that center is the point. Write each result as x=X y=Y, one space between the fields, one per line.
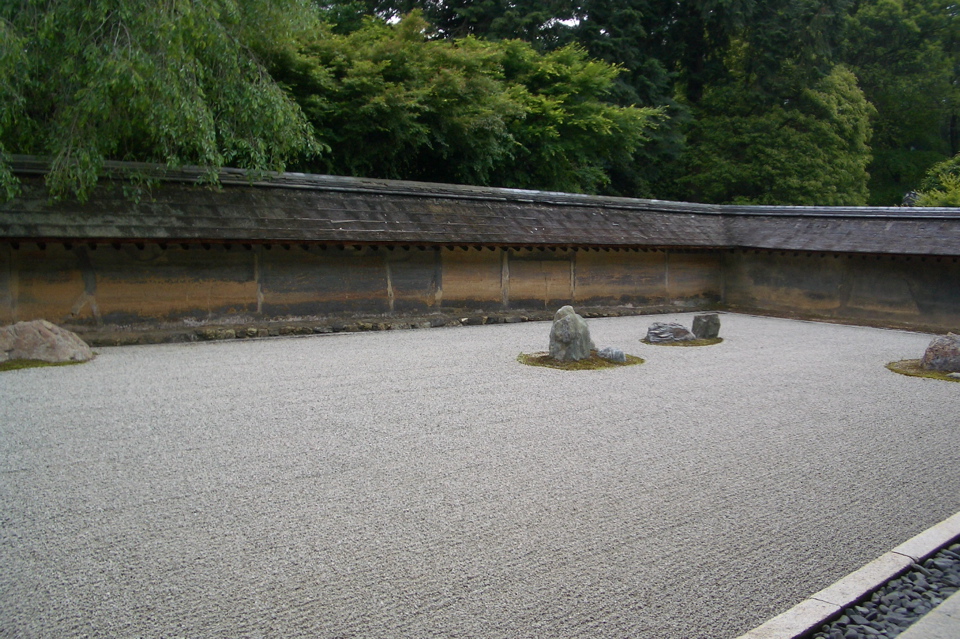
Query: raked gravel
x=425 y=484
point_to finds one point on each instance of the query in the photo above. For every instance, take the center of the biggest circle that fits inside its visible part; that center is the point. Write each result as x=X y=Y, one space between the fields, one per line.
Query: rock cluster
x=943 y=354
x=901 y=601
x=569 y=336
x=705 y=326
x=42 y=340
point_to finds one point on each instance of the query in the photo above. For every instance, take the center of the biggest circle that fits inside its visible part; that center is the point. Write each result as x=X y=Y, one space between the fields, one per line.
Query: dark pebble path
x=900 y=602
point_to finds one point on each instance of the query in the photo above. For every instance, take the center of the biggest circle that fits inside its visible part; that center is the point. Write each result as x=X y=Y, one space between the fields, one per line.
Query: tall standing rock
x=44 y=341
x=706 y=326
x=569 y=336
x=943 y=354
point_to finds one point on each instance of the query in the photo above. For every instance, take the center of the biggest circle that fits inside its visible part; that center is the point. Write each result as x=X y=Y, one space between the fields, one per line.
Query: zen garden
x=499 y=319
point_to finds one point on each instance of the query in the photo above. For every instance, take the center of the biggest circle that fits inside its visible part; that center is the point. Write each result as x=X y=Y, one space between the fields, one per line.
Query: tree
x=12 y=100
x=390 y=101
x=623 y=33
x=809 y=151
x=941 y=185
x=176 y=82
x=538 y=22
x=906 y=54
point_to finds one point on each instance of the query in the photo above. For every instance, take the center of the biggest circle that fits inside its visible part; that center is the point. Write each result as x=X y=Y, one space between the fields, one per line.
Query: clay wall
x=918 y=292
x=121 y=284
x=102 y=284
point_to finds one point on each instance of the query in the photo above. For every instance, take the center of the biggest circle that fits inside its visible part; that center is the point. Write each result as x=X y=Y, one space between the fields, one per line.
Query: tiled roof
x=299 y=208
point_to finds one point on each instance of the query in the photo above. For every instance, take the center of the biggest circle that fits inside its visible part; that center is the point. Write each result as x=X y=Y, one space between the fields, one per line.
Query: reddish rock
x=42 y=340
x=943 y=354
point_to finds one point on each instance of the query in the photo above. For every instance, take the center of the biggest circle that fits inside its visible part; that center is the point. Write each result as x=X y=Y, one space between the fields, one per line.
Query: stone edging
x=820 y=607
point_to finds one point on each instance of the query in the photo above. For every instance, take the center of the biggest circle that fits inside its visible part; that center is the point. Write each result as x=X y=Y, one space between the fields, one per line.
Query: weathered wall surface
x=120 y=284
x=647 y=278
x=104 y=284
x=907 y=291
x=472 y=278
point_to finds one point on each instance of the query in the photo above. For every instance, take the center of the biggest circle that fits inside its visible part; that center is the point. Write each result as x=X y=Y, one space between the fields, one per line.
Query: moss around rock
x=592 y=363
x=18 y=364
x=911 y=368
x=690 y=342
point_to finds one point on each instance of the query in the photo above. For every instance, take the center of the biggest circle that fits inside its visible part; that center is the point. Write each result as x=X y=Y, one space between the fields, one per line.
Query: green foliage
x=175 y=82
x=896 y=172
x=539 y=22
x=12 y=101
x=941 y=186
x=554 y=94
x=391 y=102
x=809 y=151
x=569 y=139
x=934 y=178
x=906 y=54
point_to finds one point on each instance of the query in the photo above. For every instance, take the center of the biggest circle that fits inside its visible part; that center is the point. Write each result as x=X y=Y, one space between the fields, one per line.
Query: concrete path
x=425 y=484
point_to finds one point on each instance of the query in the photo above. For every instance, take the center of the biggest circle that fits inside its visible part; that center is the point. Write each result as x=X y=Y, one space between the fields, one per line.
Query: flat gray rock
x=612 y=354
x=660 y=332
x=44 y=341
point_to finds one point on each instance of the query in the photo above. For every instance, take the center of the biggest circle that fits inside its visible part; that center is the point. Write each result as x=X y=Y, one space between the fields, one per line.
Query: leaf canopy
x=178 y=82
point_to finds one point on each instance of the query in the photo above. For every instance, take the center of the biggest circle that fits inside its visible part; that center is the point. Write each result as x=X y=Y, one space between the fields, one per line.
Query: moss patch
x=690 y=342
x=911 y=367
x=592 y=363
x=17 y=364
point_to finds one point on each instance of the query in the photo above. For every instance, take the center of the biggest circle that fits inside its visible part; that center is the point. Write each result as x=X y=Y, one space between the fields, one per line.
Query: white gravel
x=425 y=484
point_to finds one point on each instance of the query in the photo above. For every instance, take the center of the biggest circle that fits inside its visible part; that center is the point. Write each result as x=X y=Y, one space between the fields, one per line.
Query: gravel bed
x=424 y=483
x=892 y=608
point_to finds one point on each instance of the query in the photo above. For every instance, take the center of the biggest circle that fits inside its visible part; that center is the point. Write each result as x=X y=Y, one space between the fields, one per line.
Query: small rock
x=943 y=354
x=706 y=326
x=569 y=336
x=668 y=332
x=44 y=341
x=612 y=354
